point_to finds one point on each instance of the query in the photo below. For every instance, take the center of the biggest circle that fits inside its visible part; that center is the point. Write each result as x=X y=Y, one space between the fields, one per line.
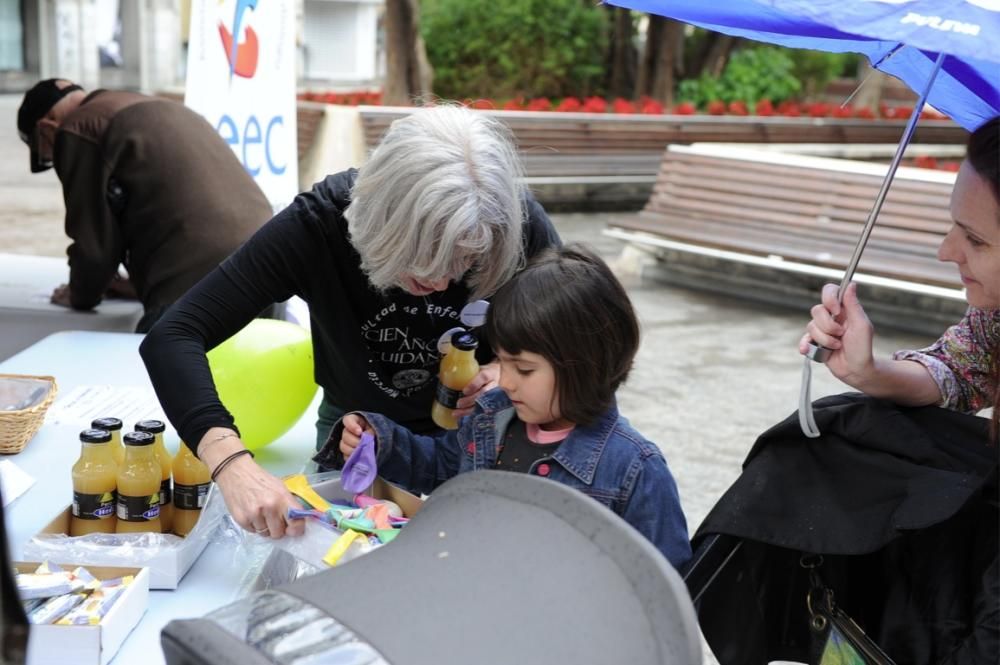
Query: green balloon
x=264 y=375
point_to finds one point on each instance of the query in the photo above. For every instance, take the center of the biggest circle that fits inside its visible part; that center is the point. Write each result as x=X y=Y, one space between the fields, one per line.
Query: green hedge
x=534 y=48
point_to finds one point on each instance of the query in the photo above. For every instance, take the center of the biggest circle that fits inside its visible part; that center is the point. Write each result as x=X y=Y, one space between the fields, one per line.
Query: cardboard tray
x=90 y=645
x=167 y=565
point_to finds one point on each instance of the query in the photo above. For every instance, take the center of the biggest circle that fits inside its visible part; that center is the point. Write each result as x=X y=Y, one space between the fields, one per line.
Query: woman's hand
x=486 y=380
x=847 y=332
x=257 y=500
x=354 y=427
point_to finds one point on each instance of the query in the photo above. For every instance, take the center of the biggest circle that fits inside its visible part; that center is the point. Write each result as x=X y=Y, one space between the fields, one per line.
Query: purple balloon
x=360 y=469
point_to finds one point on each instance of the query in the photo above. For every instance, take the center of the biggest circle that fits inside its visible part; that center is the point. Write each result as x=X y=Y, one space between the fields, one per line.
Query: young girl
x=565 y=335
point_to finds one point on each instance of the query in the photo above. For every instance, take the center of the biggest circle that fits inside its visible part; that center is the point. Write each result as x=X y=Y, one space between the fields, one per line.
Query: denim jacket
x=608 y=461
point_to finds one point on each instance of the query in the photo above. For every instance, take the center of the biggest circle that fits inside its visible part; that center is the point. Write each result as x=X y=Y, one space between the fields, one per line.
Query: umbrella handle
x=817 y=353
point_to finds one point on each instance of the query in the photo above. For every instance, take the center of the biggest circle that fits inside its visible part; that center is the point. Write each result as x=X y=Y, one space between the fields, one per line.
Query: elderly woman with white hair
x=385 y=256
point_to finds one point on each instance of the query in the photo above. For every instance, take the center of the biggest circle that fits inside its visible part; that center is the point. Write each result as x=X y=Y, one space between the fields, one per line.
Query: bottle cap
x=110 y=424
x=464 y=340
x=95 y=436
x=151 y=426
x=138 y=438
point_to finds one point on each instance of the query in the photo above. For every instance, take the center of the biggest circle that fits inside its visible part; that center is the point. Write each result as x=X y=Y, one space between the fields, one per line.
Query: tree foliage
x=752 y=74
x=483 y=48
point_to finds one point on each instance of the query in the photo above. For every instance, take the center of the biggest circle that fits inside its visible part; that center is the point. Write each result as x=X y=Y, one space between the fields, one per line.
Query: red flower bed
x=931 y=162
x=647 y=106
x=352 y=98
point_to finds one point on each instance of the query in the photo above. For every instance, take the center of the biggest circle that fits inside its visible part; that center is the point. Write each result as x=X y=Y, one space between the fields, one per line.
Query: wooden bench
x=794 y=214
x=612 y=159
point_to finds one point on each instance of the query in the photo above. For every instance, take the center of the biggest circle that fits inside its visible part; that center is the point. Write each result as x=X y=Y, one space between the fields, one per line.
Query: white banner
x=241 y=77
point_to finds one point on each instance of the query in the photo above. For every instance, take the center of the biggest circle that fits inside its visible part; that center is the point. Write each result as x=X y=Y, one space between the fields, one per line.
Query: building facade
x=142 y=44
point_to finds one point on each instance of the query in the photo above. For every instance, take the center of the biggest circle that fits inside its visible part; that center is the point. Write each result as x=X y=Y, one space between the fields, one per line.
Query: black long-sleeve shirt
x=372 y=351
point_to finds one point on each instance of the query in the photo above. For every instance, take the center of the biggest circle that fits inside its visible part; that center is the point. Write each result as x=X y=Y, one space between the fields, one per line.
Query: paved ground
x=712 y=373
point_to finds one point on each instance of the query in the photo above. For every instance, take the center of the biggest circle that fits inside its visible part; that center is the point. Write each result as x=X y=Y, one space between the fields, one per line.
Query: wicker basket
x=17 y=427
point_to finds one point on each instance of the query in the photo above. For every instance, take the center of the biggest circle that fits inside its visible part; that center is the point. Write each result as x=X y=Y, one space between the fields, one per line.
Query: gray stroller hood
x=497 y=567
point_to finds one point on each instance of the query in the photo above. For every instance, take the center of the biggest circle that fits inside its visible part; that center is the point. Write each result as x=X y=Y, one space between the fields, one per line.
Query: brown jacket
x=148 y=183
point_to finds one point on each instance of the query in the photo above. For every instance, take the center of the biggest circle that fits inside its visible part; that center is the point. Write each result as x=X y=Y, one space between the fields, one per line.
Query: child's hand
x=485 y=381
x=354 y=427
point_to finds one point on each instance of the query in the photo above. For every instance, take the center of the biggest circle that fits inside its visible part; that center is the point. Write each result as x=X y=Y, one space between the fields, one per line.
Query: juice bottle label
x=190 y=497
x=447 y=397
x=165 y=493
x=93 y=506
x=138 y=508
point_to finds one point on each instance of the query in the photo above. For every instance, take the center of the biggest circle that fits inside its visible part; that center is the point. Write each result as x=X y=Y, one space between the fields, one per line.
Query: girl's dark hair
x=984 y=156
x=568 y=307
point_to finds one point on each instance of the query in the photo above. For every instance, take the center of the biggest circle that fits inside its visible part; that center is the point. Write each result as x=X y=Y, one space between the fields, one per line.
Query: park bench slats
x=832 y=205
x=828 y=253
x=805 y=210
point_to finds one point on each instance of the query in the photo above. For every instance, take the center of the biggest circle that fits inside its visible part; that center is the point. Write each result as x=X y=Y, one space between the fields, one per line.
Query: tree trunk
x=620 y=65
x=650 y=52
x=662 y=61
x=872 y=82
x=713 y=54
x=408 y=72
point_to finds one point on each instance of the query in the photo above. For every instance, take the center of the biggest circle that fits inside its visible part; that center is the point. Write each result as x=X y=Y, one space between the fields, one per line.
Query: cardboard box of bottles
x=167 y=565
x=90 y=645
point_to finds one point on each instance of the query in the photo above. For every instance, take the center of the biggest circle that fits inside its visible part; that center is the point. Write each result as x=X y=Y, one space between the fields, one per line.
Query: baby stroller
x=882 y=535
x=496 y=568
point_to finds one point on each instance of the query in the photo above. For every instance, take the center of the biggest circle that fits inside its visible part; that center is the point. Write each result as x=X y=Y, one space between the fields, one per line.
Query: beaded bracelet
x=225 y=462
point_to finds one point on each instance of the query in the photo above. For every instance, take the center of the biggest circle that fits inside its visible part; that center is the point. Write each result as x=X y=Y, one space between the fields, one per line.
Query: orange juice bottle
x=156 y=427
x=113 y=425
x=139 y=485
x=458 y=367
x=191 y=482
x=94 y=482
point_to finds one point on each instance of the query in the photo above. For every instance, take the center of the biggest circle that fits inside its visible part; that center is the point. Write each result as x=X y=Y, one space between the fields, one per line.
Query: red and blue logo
x=243 y=55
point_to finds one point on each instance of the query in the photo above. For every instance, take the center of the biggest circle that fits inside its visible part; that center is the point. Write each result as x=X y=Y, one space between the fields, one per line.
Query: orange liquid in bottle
x=458 y=367
x=156 y=428
x=192 y=480
x=94 y=482
x=139 y=485
x=113 y=425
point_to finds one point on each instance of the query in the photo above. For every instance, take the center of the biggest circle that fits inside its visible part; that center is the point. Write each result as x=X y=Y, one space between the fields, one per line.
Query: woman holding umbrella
x=960 y=370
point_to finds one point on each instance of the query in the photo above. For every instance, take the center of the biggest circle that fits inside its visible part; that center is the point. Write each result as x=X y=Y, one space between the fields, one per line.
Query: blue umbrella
x=946 y=50
x=900 y=37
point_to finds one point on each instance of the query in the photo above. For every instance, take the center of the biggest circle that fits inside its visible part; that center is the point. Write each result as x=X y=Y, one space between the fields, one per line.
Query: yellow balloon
x=264 y=375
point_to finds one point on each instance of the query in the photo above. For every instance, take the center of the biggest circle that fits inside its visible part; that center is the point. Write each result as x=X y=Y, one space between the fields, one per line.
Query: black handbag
x=836 y=638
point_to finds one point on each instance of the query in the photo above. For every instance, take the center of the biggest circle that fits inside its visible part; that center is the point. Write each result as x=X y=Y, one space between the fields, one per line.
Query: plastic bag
x=19 y=393
x=269 y=563
x=167 y=556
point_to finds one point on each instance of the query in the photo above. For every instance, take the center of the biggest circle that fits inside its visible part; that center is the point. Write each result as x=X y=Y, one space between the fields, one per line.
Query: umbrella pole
x=822 y=354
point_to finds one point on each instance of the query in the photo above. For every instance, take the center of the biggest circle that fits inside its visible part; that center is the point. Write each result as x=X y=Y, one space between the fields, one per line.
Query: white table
x=80 y=358
x=26 y=315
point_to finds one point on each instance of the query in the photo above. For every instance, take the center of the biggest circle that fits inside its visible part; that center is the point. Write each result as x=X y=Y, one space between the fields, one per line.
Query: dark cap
x=37 y=102
x=463 y=340
x=95 y=436
x=151 y=426
x=138 y=439
x=110 y=424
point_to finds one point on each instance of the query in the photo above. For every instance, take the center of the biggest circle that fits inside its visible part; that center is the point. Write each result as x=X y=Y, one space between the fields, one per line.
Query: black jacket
x=901 y=503
x=372 y=351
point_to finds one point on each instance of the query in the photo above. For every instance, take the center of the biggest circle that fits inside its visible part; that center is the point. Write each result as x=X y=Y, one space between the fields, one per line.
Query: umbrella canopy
x=900 y=37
